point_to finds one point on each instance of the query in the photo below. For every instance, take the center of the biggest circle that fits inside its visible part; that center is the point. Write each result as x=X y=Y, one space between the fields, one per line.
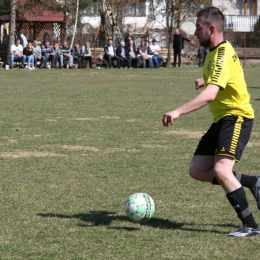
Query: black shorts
x=227 y=137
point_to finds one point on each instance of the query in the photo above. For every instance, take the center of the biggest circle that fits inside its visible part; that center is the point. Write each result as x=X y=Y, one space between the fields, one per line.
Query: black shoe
x=256 y=191
x=245 y=231
x=71 y=67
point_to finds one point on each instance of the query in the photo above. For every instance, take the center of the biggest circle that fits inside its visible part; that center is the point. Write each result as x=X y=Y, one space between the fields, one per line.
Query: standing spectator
x=86 y=55
x=154 y=50
x=132 y=52
x=142 y=54
x=37 y=52
x=16 y=54
x=178 y=45
x=23 y=40
x=48 y=53
x=65 y=54
x=122 y=52
x=76 y=54
x=110 y=54
x=129 y=37
x=28 y=52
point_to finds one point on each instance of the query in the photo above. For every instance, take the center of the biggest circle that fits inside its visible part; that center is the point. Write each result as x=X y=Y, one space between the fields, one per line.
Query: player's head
x=209 y=24
x=212 y=16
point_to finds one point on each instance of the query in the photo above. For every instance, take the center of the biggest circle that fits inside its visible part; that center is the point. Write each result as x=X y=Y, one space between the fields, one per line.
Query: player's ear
x=212 y=29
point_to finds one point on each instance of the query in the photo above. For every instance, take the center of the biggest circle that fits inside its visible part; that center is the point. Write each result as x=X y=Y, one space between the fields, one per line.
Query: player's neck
x=216 y=40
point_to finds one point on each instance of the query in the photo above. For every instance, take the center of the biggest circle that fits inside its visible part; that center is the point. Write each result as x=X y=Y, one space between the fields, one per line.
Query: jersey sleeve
x=219 y=68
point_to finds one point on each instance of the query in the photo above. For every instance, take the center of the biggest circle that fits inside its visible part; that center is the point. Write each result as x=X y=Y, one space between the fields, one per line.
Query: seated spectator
x=16 y=54
x=110 y=54
x=56 y=55
x=154 y=50
x=142 y=54
x=65 y=54
x=28 y=52
x=76 y=54
x=86 y=55
x=122 y=52
x=37 y=52
x=49 y=55
x=132 y=52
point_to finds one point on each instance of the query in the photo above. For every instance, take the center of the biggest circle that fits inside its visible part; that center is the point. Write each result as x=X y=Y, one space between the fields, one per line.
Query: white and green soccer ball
x=140 y=207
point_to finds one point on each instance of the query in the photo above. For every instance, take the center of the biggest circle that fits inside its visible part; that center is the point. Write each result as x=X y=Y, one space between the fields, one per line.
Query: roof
x=39 y=16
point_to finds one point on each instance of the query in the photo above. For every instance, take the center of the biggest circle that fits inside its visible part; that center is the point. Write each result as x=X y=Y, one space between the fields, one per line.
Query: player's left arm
x=201 y=100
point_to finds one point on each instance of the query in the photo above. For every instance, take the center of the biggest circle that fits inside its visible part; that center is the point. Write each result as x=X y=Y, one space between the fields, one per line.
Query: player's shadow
x=105 y=218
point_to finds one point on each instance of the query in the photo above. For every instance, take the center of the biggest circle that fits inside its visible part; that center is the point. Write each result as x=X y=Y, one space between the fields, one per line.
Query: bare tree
x=112 y=13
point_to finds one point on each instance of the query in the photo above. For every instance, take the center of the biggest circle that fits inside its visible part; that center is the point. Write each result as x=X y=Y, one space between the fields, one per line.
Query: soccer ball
x=140 y=207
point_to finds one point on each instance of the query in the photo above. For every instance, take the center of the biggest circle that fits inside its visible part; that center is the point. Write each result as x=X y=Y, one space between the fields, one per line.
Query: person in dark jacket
x=122 y=52
x=178 y=45
x=76 y=54
x=110 y=54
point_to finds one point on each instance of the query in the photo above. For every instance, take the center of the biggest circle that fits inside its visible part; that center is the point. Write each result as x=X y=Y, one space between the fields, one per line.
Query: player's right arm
x=201 y=100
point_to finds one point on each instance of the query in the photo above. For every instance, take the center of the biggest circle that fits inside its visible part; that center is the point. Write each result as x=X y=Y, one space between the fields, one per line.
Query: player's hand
x=199 y=83
x=169 y=117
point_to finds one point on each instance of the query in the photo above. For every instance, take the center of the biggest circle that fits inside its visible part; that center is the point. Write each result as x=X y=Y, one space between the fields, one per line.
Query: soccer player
x=225 y=91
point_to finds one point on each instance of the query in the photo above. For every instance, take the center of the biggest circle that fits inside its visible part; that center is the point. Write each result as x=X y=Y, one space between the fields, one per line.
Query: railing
x=241 y=23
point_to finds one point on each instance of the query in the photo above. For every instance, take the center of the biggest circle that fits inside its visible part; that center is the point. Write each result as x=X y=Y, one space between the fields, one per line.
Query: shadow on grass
x=105 y=218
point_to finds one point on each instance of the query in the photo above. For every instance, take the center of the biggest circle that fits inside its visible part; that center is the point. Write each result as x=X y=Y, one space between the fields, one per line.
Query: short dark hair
x=212 y=16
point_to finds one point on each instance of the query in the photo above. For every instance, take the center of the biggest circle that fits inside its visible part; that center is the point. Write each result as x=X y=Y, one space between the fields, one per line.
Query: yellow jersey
x=222 y=68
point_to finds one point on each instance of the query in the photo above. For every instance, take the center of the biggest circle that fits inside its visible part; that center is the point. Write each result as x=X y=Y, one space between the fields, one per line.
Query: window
x=246 y=7
x=136 y=9
x=92 y=9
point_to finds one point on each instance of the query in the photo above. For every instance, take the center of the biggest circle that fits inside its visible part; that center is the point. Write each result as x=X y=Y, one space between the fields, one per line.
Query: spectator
x=178 y=45
x=132 y=52
x=65 y=54
x=110 y=54
x=129 y=37
x=76 y=54
x=86 y=55
x=28 y=52
x=56 y=55
x=122 y=52
x=154 y=50
x=142 y=54
x=49 y=55
x=16 y=54
x=37 y=52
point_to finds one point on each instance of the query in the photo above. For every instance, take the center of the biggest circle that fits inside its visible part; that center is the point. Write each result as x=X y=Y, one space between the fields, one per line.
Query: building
x=241 y=15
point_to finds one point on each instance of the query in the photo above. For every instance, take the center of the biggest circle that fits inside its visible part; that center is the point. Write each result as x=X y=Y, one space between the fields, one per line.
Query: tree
x=112 y=13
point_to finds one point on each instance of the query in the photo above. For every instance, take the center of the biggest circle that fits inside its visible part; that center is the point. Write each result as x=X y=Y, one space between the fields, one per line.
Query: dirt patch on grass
x=195 y=134
x=21 y=154
x=252 y=143
x=114 y=150
x=51 y=120
x=80 y=148
x=85 y=119
x=153 y=146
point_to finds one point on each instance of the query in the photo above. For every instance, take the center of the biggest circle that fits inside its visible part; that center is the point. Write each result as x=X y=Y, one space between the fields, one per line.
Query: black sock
x=237 y=175
x=245 y=180
x=248 y=181
x=238 y=201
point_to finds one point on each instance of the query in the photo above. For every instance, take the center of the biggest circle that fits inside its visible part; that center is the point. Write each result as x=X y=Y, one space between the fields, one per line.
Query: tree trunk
x=12 y=29
x=168 y=64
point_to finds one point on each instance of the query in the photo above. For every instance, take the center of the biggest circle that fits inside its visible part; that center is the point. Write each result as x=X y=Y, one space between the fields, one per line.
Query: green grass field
x=74 y=144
